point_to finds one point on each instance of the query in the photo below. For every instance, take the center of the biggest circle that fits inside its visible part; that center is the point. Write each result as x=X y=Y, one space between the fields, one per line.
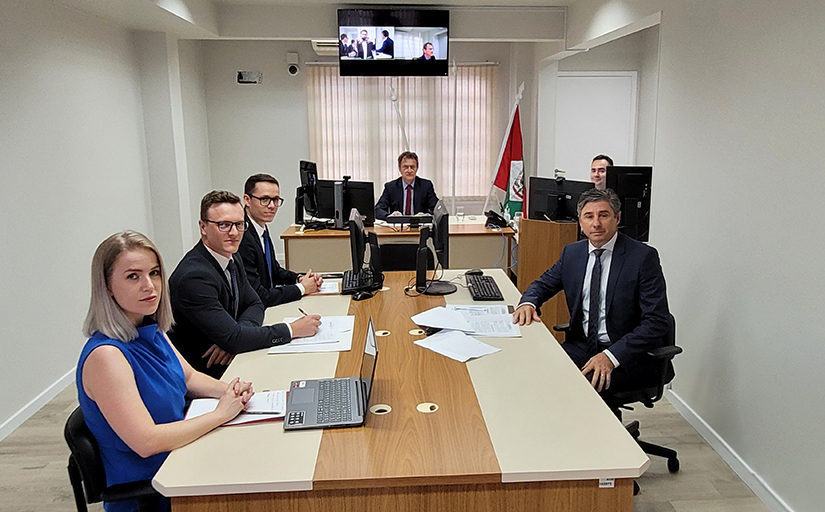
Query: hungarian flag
x=510 y=175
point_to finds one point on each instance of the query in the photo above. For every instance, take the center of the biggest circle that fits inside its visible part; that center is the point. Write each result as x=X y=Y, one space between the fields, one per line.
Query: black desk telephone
x=495 y=219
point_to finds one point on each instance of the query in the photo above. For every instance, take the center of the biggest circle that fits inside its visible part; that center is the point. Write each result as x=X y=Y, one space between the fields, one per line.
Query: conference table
x=516 y=430
x=472 y=245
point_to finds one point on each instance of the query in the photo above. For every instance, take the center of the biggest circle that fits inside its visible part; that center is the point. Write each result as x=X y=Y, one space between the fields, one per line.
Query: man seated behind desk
x=217 y=312
x=273 y=283
x=618 y=278
x=408 y=194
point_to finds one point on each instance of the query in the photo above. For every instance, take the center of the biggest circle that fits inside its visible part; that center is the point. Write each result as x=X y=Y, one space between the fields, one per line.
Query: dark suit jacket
x=283 y=288
x=392 y=199
x=388 y=47
x=344 y=49
x=202 y=308
x=424 y=57
x=636 y=303
x=360 y=49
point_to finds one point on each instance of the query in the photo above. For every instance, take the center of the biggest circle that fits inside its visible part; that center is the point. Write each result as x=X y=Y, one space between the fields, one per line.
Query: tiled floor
x=33 y=466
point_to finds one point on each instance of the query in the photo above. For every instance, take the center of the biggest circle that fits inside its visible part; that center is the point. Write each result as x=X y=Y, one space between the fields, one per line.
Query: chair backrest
x=85 y=455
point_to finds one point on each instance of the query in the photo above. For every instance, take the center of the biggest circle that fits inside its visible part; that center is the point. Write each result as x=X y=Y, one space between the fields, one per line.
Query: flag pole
x=503 y=145
x=394 y=99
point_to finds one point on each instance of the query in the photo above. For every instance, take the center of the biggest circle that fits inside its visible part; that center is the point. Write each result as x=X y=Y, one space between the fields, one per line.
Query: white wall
x=738 y=195
x=73 y=171
x=193 y=94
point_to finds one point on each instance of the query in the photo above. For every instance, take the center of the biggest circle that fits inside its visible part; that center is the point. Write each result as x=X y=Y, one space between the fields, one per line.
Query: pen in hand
x=302 y=311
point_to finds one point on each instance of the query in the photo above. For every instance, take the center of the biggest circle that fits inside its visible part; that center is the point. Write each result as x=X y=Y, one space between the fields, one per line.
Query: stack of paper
x=334 y=335
x=265 y=406
x=460 y=323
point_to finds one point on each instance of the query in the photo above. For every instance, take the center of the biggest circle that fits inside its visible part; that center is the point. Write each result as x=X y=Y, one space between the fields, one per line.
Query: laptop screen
x=368 y=363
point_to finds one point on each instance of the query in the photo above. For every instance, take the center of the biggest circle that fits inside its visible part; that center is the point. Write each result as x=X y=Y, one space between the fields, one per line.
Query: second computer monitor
x=357 y=194
x=554 y=199
x=633 y=185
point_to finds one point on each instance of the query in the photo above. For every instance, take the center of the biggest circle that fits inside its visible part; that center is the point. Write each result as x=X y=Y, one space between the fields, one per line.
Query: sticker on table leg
x=379 y=409
x=382 y=333
x=426 y=407
x=417 y=332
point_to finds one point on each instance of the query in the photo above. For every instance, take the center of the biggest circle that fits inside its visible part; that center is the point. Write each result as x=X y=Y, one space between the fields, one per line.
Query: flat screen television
x=393 y=42
x=634 y=186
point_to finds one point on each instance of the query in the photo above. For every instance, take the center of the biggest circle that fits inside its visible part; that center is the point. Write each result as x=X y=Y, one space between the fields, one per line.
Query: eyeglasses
x=279 y=201
x=226 y=226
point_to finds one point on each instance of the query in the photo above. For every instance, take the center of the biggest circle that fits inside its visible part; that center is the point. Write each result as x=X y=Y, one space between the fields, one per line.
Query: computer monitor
x=356 y=194
x=441 y=242
x=554 y=199
x=309 y=177
x=633 y=185
x=357 y=240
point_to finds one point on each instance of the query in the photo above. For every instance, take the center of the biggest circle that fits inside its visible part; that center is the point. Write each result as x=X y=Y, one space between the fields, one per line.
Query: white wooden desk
x=517 y=430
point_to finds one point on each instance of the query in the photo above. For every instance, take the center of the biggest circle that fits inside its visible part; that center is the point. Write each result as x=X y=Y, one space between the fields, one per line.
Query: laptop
x=341 y=402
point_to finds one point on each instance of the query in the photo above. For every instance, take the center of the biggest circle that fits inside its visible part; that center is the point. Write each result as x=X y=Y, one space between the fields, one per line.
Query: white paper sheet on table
x=456 y=345
x=329 y=288
x=334 y=335
x=264 y=406
x=493 y=321
x=443 y=318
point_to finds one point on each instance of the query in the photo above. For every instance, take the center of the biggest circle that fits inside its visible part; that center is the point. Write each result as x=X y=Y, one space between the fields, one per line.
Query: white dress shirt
x=607 y=258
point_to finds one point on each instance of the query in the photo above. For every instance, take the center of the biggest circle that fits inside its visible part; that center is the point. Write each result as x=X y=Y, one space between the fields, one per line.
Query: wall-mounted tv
x=393 y=42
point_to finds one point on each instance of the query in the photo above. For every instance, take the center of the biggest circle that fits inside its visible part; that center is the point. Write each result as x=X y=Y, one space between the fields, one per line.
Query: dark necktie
x=233 y=276
x=268 y=255
x=408 y=207
x=595 y=300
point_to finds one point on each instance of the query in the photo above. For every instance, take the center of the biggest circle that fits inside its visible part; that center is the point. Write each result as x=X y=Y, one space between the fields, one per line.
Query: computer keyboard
x=483 y=288
x=334 y=401
x=356 y=281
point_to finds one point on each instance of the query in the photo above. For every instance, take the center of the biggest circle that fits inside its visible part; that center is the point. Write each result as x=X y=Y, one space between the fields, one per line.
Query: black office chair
x=86 y=472
x=647 y=395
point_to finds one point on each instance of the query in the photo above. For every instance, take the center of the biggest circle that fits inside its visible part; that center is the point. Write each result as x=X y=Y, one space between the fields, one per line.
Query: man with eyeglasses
x=273 y=283
x=217 y=312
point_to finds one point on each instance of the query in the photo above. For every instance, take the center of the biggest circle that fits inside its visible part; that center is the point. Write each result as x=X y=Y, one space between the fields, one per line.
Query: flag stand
x=503 y=145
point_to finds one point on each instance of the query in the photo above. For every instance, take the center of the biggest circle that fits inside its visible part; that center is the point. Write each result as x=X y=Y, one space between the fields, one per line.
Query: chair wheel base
x=673 y=465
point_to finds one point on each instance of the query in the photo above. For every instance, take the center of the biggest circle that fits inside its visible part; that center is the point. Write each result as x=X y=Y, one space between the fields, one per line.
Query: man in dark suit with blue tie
x=408 y=194
x=273 y=283
x=616 y=296
x=217 y=312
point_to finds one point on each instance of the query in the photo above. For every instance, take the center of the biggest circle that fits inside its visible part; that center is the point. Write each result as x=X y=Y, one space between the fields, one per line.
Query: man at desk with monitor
x=408 y=194
x=217 y=312
x=616 y=297
x=273 y=283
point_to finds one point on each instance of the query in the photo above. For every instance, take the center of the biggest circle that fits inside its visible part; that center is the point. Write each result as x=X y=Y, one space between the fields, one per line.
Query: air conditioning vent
x=325 y=47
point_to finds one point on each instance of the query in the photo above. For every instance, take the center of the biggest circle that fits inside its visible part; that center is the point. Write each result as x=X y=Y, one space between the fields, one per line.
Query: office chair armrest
x=561 y=327
x=129 y=491
x=665 y=352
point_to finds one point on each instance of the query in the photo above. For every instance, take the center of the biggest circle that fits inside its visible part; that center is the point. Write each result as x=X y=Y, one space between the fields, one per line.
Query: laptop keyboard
x=356 y=281
x=483 y=288
x=334 y=401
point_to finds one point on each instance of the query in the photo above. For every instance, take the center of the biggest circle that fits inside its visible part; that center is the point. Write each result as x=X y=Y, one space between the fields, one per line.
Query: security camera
x=292 y=64
x=293 y=69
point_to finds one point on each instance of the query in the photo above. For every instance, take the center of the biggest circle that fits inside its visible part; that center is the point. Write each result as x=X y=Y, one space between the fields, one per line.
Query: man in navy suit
x=387 y=45
x=273 y=283
x=616 y=296
x=408 y=194
x=217 y=312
